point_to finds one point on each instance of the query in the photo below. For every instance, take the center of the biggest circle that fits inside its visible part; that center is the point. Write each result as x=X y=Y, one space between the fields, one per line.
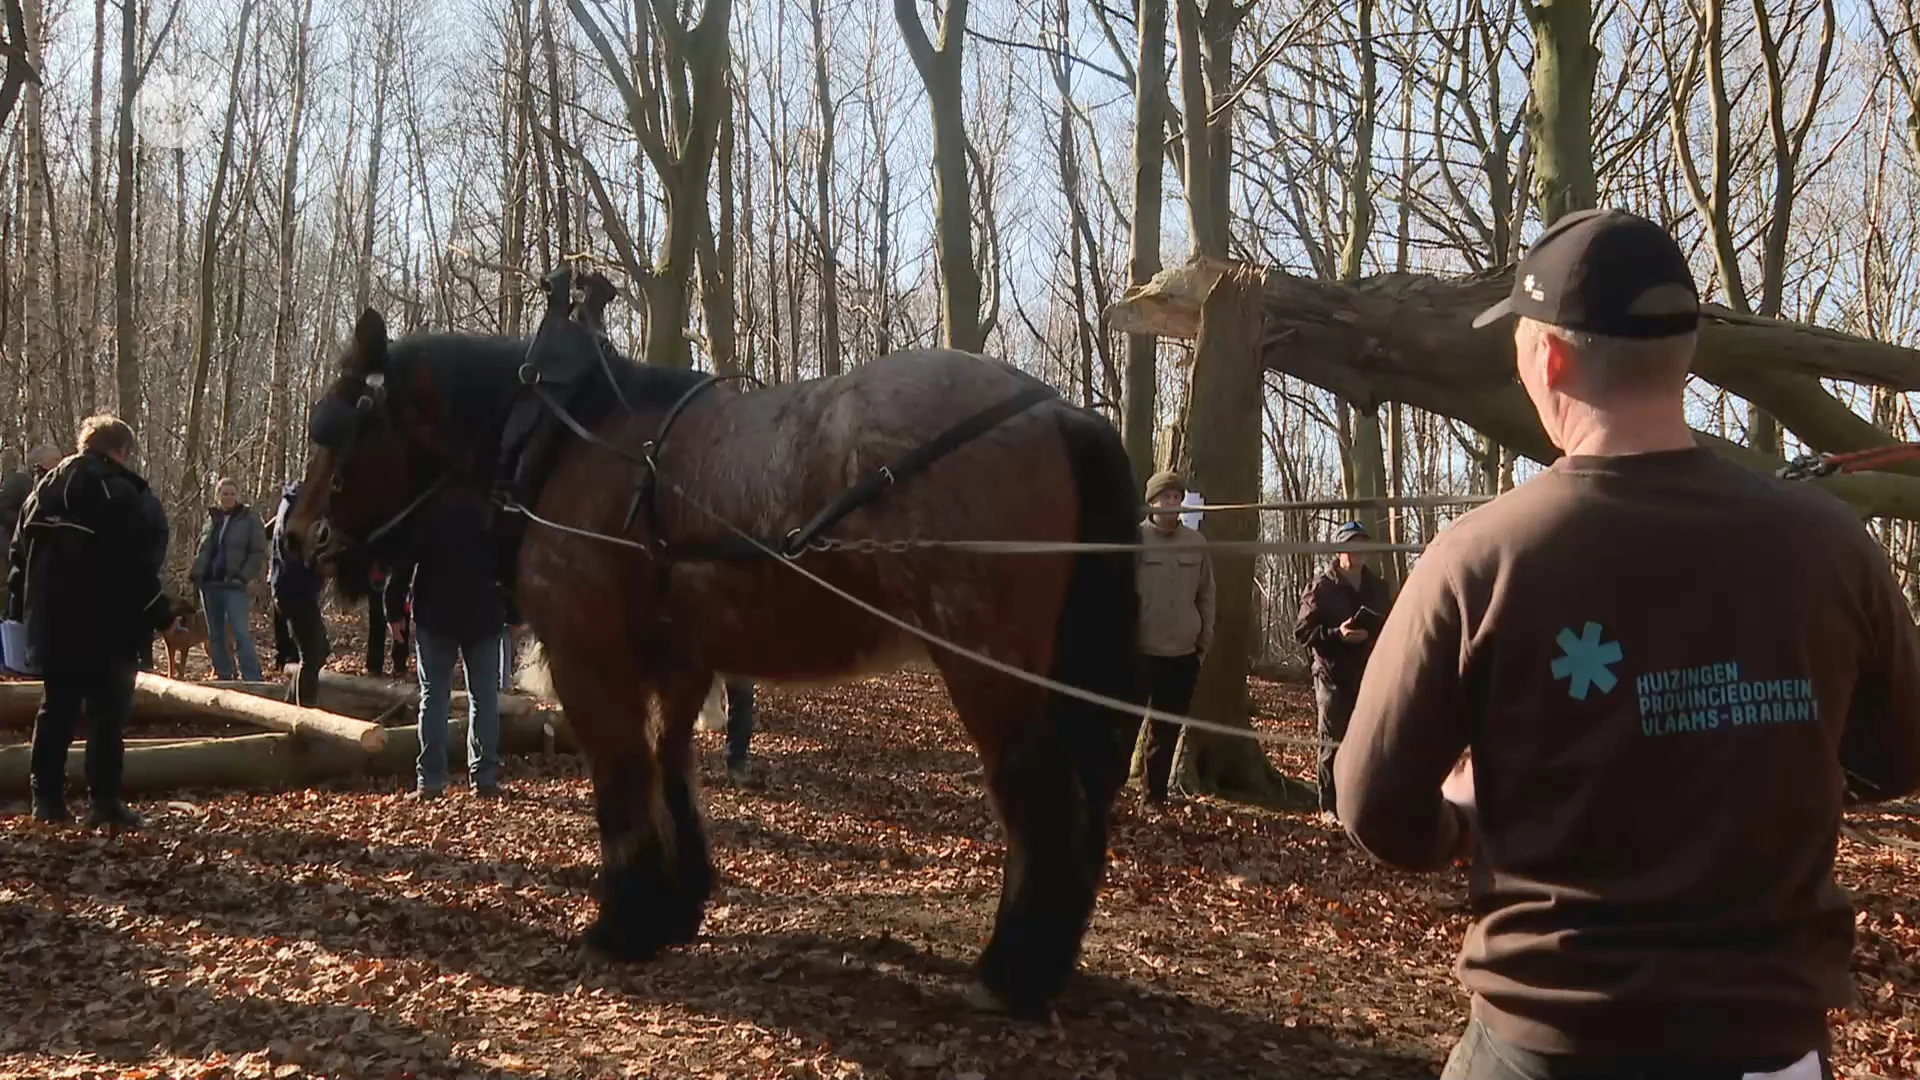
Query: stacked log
x=302 y=746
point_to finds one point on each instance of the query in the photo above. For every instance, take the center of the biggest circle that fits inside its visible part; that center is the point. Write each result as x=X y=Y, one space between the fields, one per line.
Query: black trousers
x=308 y=630
x=1170 y=681
x=377 y=639
x=105 y=695
x=1336 y=711
x=285 y=649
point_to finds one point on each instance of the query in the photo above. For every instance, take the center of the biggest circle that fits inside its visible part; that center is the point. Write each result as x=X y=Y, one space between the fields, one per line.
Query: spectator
x=84 y=571
x=296 y=603
x=17 y=483
x=739 y=729
x=459 y=613
x=233 y=551
x=1339 y=614
x=1672 y=674
x=1176 y=621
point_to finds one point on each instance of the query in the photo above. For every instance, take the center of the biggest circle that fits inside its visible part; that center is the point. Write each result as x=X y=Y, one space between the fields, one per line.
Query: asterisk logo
x=1585 y=661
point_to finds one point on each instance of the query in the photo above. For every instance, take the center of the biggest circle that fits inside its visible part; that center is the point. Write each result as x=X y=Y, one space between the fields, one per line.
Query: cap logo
x=1533 y=290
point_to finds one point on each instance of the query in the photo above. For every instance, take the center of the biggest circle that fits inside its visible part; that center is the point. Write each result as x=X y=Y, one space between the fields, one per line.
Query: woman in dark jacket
x=233 y=551
x=459 y=614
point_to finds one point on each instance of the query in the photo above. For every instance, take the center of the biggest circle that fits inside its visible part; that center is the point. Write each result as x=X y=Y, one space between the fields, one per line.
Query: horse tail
x=1096 y=643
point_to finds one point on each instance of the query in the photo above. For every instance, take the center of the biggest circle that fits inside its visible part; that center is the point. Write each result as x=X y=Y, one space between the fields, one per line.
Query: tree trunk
x=1368 y=453
x=941 y=72
x=1225 y=464
x=376 y=144
x=563 y=237
x=287 y=233
x=126 y=333
x=1142 y=416
x=260 y=712
x=1409 y=338
x=826 y=237
x=36 y=333
x=1564 y=61
x=204 y=329
x=96 y=209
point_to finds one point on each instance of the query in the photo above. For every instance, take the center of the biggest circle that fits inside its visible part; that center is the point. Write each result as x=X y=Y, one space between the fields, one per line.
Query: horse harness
x=645 y=499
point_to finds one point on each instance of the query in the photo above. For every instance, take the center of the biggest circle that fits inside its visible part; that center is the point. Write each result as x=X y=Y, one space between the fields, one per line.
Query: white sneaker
x=1329 y=818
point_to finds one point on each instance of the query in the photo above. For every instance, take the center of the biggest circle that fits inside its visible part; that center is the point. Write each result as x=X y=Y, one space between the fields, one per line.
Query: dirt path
x=352 y=933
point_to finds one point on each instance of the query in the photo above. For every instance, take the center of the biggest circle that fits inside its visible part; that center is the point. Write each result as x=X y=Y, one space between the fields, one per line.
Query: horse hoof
x=981 y=999
x=610 y=941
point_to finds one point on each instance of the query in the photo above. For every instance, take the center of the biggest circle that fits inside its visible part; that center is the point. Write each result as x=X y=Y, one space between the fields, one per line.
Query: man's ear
x=1558 y=360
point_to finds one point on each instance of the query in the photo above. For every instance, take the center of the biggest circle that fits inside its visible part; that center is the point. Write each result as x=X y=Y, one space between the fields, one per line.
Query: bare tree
x=940 y=71
x=679 y=136
x=209 y=248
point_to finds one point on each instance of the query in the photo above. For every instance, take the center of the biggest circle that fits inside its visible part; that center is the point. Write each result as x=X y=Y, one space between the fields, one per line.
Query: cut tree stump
x=264 y=712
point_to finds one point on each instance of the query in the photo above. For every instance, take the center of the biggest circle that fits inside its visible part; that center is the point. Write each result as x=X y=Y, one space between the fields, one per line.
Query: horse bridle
x=336 y=425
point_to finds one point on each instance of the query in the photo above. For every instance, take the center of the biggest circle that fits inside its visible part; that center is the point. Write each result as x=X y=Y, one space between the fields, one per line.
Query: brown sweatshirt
x=1670 y=671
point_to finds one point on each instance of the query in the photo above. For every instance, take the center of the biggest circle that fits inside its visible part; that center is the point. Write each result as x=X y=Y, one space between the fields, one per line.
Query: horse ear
x=369 y=354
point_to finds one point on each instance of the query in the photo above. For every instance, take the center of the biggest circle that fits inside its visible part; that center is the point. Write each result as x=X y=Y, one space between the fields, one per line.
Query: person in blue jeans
x=739 y=728
x=233 y=552
x=460 y=615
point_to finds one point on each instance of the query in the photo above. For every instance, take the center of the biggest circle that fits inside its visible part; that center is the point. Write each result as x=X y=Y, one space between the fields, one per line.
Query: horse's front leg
x=654 y=871
x=689 y=859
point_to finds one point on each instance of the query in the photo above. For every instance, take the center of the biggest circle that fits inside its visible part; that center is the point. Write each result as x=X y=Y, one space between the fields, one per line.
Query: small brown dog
x=188 y=629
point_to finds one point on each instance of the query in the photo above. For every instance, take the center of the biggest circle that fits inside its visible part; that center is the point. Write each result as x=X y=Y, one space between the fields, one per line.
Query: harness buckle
x=887 y=474
x=529 y=375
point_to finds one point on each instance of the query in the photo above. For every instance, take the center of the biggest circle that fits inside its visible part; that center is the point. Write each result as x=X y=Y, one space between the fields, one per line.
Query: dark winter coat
x=1328 y=603
x=453 y=580
x=292 y=578
x=84 y=567
x=14 y=489
x=241 y=552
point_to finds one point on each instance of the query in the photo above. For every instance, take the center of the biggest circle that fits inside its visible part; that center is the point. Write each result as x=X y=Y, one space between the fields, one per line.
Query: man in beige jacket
x=1176 y=620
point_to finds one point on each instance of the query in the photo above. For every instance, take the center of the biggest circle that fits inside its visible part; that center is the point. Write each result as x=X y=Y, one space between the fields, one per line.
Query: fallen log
x=271 y=760
x=19 y=701
x=392 y=692
x=263 y=712
x=522 y=719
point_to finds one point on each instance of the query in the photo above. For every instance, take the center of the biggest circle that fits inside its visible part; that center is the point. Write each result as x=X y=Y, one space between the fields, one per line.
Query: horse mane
x=477 y=376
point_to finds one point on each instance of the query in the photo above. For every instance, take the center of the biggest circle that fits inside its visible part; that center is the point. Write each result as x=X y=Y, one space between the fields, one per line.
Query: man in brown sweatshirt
x=1175 y=582
x=1661 y=746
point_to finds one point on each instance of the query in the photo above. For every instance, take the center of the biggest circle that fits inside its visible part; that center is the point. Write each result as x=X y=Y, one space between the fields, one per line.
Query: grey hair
x=1612 y=364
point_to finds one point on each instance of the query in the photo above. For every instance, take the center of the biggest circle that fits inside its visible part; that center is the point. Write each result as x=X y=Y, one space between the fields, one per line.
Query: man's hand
x=1350 y=633
x=1457 y=790
x=397 y=629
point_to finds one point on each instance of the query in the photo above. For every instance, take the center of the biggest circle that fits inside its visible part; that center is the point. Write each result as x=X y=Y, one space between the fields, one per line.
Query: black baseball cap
x=1604 y=272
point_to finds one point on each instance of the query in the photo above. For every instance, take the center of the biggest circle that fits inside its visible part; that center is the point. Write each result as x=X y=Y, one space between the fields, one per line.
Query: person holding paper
x=1339 y=615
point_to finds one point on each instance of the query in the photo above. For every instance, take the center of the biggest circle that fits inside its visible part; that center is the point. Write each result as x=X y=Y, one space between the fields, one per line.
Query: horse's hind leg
x=653 y=881
x=1052 y=877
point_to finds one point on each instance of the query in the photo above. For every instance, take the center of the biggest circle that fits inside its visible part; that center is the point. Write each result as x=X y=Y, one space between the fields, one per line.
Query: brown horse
x=635 y=633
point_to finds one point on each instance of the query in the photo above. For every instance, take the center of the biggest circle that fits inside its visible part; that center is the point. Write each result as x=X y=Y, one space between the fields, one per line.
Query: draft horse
x=635 y=629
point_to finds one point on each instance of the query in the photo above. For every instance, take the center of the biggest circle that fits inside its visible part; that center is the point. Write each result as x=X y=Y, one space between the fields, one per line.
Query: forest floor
x=351 y=932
